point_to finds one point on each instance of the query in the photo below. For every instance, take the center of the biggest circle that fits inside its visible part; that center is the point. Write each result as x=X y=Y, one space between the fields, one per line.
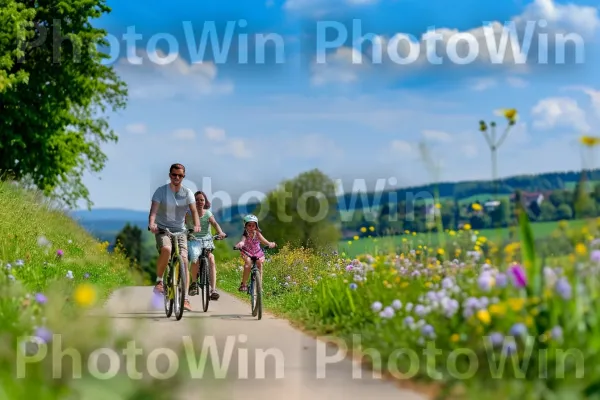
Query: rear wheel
x=167 y=290
x=179 y=287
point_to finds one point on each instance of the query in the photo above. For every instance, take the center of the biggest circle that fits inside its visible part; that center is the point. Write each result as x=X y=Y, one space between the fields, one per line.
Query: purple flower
x=556 y=333
x=518 y=329
x=501 y=280
x=496 y=339
x=518 y=275
x=595 y=256
x=43 y=334
x=376 y=306
x=60 y=253
x=563 y=288
x=349 y=267
x=353 y=286
x=387 y=312
x=509 y=347
x=428 y=331
x=40 y=298
x=86 y=275
x=409 y=320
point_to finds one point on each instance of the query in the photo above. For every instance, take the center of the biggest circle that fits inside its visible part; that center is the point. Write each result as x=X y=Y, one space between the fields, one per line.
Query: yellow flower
x=355 y=237
x=441 y=252
x=498 y=309
x=438 y=205
x=590 y=141
x=363 y=229
x=477 y=207
x=371 y=228
x=484 y=316
x=452 y=233
x=516 y=304
x=580 y=249
x=455 y=338
x=509 y=113
x=467 y=227
x=482 y=126
x=85 y=295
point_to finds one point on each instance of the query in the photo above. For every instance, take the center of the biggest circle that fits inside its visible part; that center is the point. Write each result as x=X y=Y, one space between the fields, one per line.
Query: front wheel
x=179 y=287
x=258 y=291
x=204 y=283
x=167 y=293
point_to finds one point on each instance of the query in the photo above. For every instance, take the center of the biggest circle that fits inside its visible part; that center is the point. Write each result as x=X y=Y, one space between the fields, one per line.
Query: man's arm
x=194 y=211
x=152 y=215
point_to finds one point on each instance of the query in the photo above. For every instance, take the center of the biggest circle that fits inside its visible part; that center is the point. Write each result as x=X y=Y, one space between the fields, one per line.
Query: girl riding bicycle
x=250 y=246
x=201 y=241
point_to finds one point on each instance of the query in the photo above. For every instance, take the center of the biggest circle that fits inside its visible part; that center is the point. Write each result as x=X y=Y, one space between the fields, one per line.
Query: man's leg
x=163 y=244
x=183 y=251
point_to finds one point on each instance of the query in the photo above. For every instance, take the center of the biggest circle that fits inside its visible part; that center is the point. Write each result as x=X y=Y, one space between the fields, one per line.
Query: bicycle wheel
x=167 y=295
x=258 y=290
x=251 y=289
x=179 y=287
x=204 y=283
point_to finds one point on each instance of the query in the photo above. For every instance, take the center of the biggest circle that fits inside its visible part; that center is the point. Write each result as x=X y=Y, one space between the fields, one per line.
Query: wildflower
x=85 y=295
x=484 y=316
x=428 y=331
x=518 y=329
x=589 y=141
x=595 y=256
x=43 y=242
x=19 y=263
x=349 y=267
x=353 y=286
x=580 y=249
x=376 y=306
x=86 y=275
x=60 y=253
x=563 y=288
x=420 y=310
x=509 y=347
x=40 y=298
x=397 y=304
x=70 y=274
x=455 y=338
x=509 y=113
x=408 y=321
x=43 y=334
x=501 y=280
x=486 y=281
x=550 y=276
x=496 y=339
x=11 y=277
x=556 y=333
x=387 y=312
x=518 y=275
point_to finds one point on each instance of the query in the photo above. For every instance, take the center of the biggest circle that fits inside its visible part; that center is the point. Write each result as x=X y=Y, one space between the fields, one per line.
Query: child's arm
x=217 y=227
x=265 y=241
x=241 y=243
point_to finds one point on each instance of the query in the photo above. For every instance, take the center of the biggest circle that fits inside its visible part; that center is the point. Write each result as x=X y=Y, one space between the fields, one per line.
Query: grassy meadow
x=52 y=275
x=505 y=323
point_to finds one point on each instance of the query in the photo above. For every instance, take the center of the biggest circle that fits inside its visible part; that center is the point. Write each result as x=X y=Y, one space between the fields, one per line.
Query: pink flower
x=518 y=275
x=60 y=253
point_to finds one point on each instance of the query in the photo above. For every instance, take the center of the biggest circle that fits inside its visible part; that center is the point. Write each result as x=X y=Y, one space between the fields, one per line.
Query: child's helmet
x=251 y=218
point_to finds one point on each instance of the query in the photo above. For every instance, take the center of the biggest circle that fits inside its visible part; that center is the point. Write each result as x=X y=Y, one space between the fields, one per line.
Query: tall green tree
x=130 y=239
x=54 y=93
x=302 y=211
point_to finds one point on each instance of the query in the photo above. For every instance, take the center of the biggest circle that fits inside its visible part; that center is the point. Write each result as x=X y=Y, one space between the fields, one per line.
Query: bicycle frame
x=203 y=277
x=175 y=277
x=255 y=273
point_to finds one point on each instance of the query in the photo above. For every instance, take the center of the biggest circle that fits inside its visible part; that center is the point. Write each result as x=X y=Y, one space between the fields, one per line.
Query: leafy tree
x=53 y=91
x=302 y=211
x=130 y=239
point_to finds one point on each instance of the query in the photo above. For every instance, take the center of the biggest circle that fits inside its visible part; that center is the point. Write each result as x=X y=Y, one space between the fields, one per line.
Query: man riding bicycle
x=170 y=203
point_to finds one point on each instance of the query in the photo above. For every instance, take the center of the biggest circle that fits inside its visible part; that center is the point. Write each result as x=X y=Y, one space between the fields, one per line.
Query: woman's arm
x=215 y=225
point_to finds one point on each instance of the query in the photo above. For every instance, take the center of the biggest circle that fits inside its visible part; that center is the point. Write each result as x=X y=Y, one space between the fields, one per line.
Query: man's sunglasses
x=177 y=176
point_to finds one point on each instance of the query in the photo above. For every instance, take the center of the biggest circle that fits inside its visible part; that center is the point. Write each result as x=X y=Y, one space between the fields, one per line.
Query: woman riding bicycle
x=205 y=241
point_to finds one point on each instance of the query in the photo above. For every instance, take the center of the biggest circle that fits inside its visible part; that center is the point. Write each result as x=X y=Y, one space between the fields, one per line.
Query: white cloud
x=320 y=8
x=234 y=147
x=493 y=45
x=438 y=136
x=162 y=80
x=184 y=134
x=482 y=84
x=312 y=146
x=339 y=68
x=559 y=112
x=402 y=147
x=516 y=82
x=136 y=129
x=214 y=134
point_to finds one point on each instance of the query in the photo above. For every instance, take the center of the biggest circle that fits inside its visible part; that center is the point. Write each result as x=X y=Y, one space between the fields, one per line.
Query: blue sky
x=241 y=129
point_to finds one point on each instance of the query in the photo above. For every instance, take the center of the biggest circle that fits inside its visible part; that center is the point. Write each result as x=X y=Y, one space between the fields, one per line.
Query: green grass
x=48 y=295
x=375 y=245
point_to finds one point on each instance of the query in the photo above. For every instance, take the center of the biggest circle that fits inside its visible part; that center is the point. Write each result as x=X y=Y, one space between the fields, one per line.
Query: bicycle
x=175 y=277
x=255 y=278
x=203 y=277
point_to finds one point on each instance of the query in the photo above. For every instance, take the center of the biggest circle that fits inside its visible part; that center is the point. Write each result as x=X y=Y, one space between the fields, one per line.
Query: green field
x=373 y=245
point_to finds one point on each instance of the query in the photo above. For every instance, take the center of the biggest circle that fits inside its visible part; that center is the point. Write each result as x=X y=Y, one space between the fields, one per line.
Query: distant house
x=528 y=197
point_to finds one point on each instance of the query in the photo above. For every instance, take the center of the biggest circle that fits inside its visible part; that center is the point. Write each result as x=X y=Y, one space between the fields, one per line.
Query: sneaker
x=158 y=288
x=214 y=295
x=186 y=305
x=193 y=291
